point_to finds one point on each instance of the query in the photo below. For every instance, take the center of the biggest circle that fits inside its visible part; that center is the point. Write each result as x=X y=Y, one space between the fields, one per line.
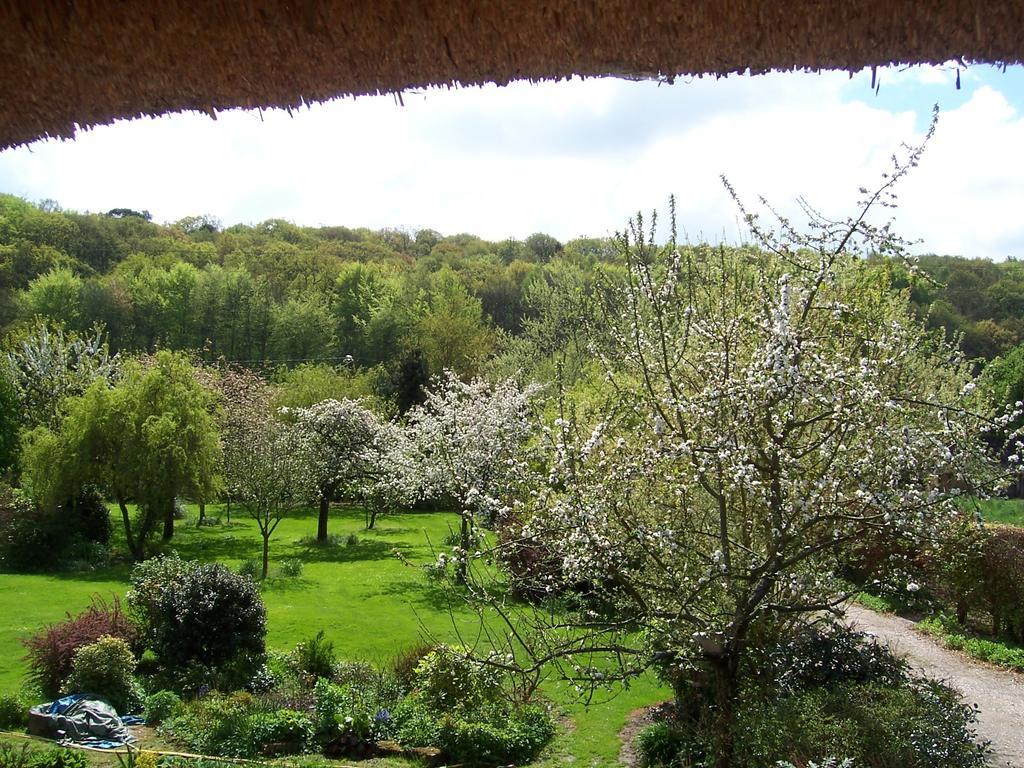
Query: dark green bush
x=106 y=668
x=918 y=725
x=203 y=620
x=91 y=517
x=161 y=706
x=661 y=744
x=150 y=579
x=31 y=540
x=72 y=537
x=826 y=655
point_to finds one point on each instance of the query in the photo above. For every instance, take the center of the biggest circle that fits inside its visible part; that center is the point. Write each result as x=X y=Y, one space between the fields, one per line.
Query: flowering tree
x=772 y=408
x=342 y=436
x=245 y=403
x=394 y=480
x=271 y=472
x=48 y=365
x=467 y=441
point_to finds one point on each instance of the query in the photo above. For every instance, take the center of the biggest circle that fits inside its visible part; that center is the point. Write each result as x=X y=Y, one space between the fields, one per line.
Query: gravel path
x=998 y=693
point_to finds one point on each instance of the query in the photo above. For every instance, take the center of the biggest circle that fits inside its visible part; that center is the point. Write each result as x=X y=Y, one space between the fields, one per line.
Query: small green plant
x=161 y=706
x=107 y=668
x=315 y=656
x=351 y=540
x=249 y=568
x=290 y=567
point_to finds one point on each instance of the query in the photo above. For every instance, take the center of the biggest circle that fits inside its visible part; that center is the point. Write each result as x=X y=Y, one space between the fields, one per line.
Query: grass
x=1002 y=653
x=370 y=602
x=1006 y=511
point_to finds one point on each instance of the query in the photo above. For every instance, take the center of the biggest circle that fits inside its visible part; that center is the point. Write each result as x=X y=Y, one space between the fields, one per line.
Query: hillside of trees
x=275 y=294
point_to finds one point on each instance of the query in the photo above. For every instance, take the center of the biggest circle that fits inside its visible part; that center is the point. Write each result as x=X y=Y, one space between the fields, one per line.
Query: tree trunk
x=462 y=575
x=169 y=521
x=321 y=525
x=133 y=546
x=372 y=519
x=726 y=679
x=202 y=512
x=961 y=611
x=266 y=555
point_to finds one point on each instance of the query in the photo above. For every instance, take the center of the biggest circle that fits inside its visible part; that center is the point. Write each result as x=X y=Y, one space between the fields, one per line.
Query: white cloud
x=567 y=158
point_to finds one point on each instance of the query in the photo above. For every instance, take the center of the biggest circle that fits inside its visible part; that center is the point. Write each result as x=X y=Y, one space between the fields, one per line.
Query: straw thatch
x=68 y=63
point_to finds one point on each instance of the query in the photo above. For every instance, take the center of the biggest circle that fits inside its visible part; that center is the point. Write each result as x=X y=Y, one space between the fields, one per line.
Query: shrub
x=826 y=655
x=150 y=579
x=659 y=744
x=161 y=706
x=33 y=539
x=404 y=666
x=30 y=539
x=315 y=656
x=916 y=725
x=238 y=725
x=207 y=618
x=450 y=679
x=106 y=668
x=1002 y=569
x=281 y=732
x=13 y=711
x=91 y=516
x=350 y=717
x=351 y=540
x=250 y=568
x=215 y=725
x=52 y=650
x=487 y=736
x=291 y=567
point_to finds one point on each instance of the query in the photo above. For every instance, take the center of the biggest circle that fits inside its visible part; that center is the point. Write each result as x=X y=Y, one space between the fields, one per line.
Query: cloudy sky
x=571 y=158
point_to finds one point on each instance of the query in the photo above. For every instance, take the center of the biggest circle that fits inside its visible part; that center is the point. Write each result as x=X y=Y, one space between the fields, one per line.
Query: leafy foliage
x=161 y=706
x=148 y=439
x=206 y=617
x=51 y=757
x=315 y=656
x=52 y=650
x=106 y=668
x=13 y=711
x=49 y=365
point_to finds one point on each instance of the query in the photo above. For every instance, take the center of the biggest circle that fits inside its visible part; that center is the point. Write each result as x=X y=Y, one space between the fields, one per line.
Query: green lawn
x=369 y=603
x=1008 y=511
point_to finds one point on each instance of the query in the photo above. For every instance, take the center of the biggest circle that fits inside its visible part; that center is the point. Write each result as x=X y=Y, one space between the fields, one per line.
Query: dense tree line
x=400 y=305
